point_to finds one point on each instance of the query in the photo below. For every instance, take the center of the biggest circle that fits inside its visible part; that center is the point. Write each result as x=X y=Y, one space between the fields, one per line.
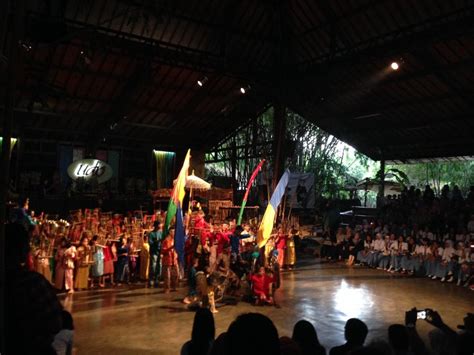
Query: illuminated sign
x=89 y=169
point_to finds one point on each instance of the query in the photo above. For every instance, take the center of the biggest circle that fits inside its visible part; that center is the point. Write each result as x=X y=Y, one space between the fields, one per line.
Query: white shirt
x=404 y=246
x=448 y=253
x=379 y=245
x=464 y=255
x=422 y=250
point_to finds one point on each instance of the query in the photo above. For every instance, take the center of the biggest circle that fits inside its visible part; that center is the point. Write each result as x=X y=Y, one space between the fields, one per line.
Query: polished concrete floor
x=137 y=320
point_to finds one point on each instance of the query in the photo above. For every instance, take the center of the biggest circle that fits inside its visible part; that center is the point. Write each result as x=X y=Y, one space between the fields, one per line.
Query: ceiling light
x=394 y=65
x=202 y=81
x=242 y=90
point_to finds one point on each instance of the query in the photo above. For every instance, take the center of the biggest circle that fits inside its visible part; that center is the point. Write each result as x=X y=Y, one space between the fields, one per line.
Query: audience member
x=252 y=334
x=203 y=333
x=63 y=341
x=33 y=312
x=355 y=333
x=304 y=334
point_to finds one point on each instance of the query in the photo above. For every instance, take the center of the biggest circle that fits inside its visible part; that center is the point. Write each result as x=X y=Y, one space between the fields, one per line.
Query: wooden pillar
x=233 y=169
x=381 y=194
x=11 y=34
x=279 y=134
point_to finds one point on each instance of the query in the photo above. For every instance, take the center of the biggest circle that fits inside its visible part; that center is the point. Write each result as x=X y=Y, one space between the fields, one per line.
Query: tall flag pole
x=266 y=226
x=249 y=185
x=178 y=193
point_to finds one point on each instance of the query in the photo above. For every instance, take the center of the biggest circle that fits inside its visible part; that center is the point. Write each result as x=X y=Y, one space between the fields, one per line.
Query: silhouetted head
x=253 y=334
x=17 y=243
x=306 y=337
x=289 y=347
x=203 y=332
x=398 y=337
x=355 y=331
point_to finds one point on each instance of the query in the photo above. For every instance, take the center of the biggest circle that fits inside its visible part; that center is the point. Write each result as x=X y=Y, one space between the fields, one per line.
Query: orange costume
x=169 y=262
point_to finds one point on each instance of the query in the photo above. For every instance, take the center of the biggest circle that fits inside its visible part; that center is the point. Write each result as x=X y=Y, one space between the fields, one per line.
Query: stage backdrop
x=164 y=168
x=69 y=154
x=300 y=190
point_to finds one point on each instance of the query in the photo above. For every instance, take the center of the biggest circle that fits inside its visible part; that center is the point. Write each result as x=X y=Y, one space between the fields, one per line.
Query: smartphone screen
x=421 y=315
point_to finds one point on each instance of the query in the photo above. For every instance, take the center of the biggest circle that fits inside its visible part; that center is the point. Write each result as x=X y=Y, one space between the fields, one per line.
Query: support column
x=279 y=134
x=381 y=194
x=12 y=33
x=233 y=169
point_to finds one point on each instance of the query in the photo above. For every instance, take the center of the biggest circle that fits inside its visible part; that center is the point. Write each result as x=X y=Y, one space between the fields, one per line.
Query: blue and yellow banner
x=266 y=226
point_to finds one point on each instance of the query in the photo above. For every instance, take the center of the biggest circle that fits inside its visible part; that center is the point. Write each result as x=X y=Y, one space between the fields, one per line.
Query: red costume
x=261 y=285
x=223 y=241
x=281 y=246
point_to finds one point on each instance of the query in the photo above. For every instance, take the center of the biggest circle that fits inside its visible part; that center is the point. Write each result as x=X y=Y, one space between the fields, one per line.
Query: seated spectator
x=252 y=334
x=202 y=335
x=63 y=341
x=306 y=337
x=363 y=255
x=355 y=333
x=289 y=347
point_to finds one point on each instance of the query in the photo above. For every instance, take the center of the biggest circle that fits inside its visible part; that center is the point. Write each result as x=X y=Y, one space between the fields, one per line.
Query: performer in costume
x=145 y=259
x=280 y=244
x=123 y=270
x=82 y=266
x=97 y=269
x=154 y=239
x=170 y=262
x=261 y=283
x=68 y=259
x=290 y=252
x=109 y=259
x=41 y=258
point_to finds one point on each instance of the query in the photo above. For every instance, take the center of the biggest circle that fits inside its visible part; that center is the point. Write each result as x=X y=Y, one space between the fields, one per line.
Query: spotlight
x=242 y=90
x=394 y=65
x=25 y=45
x=202 y=81
x=85 y=57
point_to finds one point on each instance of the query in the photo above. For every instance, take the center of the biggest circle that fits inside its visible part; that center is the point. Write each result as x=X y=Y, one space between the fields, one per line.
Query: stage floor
x=138 y=320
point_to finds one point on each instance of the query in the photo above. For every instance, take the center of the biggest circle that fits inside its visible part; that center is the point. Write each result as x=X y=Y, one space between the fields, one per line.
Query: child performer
x=261 y=286
x=97 y=270
x=170 y=262
x=144 y=259
x=82 y=264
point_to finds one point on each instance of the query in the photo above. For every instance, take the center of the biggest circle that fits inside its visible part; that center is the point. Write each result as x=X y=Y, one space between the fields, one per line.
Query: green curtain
x=12 y=144
x=164 y=168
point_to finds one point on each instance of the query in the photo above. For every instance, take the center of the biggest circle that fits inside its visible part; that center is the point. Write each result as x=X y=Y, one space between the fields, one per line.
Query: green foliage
x=334 y=164
x=438 y=174
x=399 y=176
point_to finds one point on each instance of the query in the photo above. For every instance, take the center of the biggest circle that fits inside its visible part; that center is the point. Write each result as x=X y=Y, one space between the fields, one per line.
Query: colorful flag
x=267 y=222
x=178 y=193
x=249 y=185
x=179 y=235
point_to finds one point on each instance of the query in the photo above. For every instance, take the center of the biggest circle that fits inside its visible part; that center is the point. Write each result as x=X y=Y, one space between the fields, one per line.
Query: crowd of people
x=255 y=333
x=416 y=234
x=96 y=250
x=219 y=260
